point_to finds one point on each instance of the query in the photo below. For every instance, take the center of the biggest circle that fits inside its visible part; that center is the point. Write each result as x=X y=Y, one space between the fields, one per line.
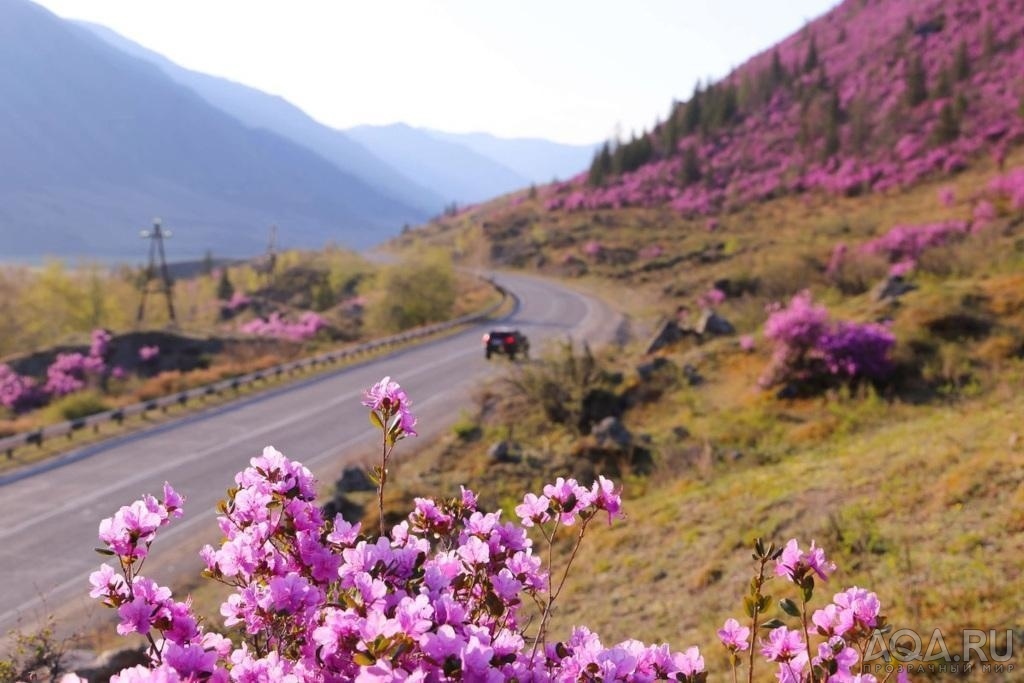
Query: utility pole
x=156 y=237
x=266 y=264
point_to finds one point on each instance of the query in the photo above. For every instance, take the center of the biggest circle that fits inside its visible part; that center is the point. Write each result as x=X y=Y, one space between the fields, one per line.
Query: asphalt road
x=49 y=518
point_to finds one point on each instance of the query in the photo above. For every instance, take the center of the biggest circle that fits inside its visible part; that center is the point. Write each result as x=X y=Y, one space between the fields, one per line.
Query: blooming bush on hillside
x=1008 y=189
x=238 y=301
x=18 y=392
x=811 y=349
x=275 y=326
x=882 y=107
x=908 y=242
x=70 y=372
x=450 y=594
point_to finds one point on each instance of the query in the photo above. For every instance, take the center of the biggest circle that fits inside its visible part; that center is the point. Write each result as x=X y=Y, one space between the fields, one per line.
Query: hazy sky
x=567 y=70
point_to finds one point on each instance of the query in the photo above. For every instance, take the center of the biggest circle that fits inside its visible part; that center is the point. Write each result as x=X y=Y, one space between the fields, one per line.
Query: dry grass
x=916 y=488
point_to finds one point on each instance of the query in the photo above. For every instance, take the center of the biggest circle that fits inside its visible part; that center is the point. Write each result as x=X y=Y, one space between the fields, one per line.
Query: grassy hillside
x=912 y=482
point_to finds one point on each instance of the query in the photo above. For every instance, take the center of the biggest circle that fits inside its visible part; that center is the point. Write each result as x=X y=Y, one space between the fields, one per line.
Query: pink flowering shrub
x=275 y=326
x=1008 y=189
x=651 y=251
x=99 y=345
x=19 y=393
x=452 y=593
x=810 y=349
x=711 y=299
x=237 y=302
x=848 y=124
x=947 y=196
x=904 y=242
x=835 y=261
x=69 y=373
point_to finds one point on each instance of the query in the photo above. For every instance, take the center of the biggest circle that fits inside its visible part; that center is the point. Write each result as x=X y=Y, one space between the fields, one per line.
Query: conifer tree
x=917 y=87
x=690 y=172
x=811 y=59
x=947 y=129
x=962 y=62
x=225 y=290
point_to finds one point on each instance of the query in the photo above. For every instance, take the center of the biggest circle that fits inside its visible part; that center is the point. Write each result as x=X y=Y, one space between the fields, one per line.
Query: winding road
x=49 y=516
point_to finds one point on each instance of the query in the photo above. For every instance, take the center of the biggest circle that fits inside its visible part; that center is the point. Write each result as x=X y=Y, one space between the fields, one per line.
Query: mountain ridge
x=92 y=139
x=873 y=95
x=258 y=109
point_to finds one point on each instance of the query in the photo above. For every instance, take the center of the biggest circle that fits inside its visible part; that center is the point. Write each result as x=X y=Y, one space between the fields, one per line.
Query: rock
x=611 y=431
x=787 y=392
x=669 y=333
x=501 y=452
x=891 y=288
x=598 y=404
x=355 y=479
x=680 y=432
x=112 y=662
x=713 y=324
x=647 y=370
x=692 y=375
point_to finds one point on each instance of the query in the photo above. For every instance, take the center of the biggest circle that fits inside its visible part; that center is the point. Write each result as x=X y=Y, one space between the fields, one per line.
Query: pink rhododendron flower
x=734 y=636
x=794 y=563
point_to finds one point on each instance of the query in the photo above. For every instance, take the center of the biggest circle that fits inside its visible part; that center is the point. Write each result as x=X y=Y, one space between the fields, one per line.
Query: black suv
x=508 y=341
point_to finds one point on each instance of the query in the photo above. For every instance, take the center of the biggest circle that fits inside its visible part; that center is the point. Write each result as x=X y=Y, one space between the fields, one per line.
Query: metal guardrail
x=36 y=437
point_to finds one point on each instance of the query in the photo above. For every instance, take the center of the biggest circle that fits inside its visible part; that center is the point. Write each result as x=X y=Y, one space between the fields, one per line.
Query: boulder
x=891 y=289
x=502 y=451
x=692 y=375
x=112 y=662
x=646 y=370
x=669 y=332
x=611 y=432
x=711 y=323
x=355 y=479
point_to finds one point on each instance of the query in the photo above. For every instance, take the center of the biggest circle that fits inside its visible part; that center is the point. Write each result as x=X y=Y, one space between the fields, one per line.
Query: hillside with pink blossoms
x=874 y=96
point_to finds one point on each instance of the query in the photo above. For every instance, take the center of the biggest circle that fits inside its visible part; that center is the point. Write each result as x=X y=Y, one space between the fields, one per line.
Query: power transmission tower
x=266 y=264
x=156 y=237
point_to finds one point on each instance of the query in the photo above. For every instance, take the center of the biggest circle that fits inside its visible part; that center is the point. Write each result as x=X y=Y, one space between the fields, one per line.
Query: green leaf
x=363 y=659
x=375 y=420
x=789 y=607
x=494 y=604
x=105 y=551
x=772 y=623
x=808 y=588
x=748 y=606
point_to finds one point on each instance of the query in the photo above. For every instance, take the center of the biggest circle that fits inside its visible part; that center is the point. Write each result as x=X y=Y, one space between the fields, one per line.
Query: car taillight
x=510 y=340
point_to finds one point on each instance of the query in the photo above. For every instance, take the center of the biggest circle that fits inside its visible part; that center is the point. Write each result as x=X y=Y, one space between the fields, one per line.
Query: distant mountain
x=94 y=143
x=538 y=160
x=257 y=109
x=451 y=169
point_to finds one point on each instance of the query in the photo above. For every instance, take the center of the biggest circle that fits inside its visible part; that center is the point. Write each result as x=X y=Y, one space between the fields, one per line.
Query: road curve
x=49 y=518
